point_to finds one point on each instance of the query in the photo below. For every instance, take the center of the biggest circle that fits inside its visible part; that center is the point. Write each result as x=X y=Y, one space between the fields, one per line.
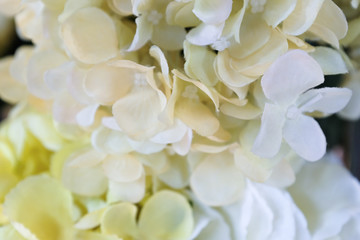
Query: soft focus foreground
x=177 y=120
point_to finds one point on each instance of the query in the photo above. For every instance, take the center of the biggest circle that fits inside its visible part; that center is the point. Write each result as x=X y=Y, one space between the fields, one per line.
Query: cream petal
x=199 y=64
x=90 y=235
x=197 y=116
x=85 y=181
x=326 y=100
x=352 y=110
x=282 y=175
x=9 y=232
x=183 y=146
x=18 y=68
x=49 y=208
x=290 y=75
x=255 y=168
x=330 y=60
x=10 y=90
x=86 y=116
x=110 y=141
x=122 y=168
x=178 y=174
x=146 y=147
x=56 y=78
x=305 y=137
x=268 y=141
x=302 y=17
x=180 y=13
x=90 y=35
x=332 y=18
x=168 y=37
x=10 y=7
x=71 y=6
x=156 y=163
x=205 y=34
x=277 y=11
x=110 y=123
x=353 y=32
x=254 y=33
x=246 y=112
x=126 y=191
x=212 y=11
x=216 y=181
x=84 y=158
x=144 y=30
x=65 y=108
x=75 y=85
x=106 y=83
x=156 y=53
x=122 y=7
x=38 y=64
x=166 y=215
x=120 y=220
x=173 y=134
x=90 y=220
x=137 y=113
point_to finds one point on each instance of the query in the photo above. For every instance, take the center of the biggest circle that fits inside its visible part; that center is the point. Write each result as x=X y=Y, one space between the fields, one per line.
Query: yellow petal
x=46 y=212
x=120 y=219
x=166 y=215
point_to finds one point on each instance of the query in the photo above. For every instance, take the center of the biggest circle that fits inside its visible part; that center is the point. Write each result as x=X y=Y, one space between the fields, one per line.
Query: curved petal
x=90 y=35
x=126 y=191
x=330 y=60
x=216 y=181
x=144 y=30
x=212 y=11
x=123 y=168
x=86 y=116
x=110 y=141
x=305 y=137
x=277 y=11
x=290 y=75
x=205 y=34
x=268 y=141
x=325 y=100
x=166 y=215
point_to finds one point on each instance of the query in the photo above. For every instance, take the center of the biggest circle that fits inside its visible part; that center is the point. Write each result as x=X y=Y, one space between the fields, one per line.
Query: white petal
x=277 y=11
x=212 y=11
x=290 y=75
x=86 y=116
x=268 y=141
x=205 y=34
x=65 y=108
x=126 y=191
x=110 y=141
x=146 y=147
x=183 y=146
x=305 y=137
x=171 y=135
x=326 y=100
x=122 y=168
x=216 y=181
x=330 y=60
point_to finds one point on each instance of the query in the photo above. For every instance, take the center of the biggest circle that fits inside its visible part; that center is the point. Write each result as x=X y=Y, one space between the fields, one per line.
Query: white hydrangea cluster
x=177 y=120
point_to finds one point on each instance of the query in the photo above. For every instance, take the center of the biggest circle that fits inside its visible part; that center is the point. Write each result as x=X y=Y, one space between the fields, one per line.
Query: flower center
x=190 y=92
x=257 y=5
x=154 y=17
x=221 y=44
x=293 y=112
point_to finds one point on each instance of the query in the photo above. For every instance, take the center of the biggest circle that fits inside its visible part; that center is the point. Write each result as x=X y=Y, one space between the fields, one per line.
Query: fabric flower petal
x=305 y=137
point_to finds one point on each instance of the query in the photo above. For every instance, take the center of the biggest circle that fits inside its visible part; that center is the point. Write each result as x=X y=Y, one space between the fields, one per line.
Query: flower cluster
x=176 y=120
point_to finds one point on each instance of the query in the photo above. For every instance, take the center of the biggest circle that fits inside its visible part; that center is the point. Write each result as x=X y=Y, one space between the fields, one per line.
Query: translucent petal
x=197 y=116
x=183 y=146
x=216 y=181
x=137 y=113
x=122 y=168
x=212 y=11
x=332 y=18
x=120 y=219
x=290 y=75
x=330 y=60
x=8 y=232
x=90 y=220
x=86 y=157
x=255 y=168
x=178 y=174
x=49 y=208
x=127 y=191
x=277 y=11
x=144 y=30
x=205 y=34
x=18 y=68
x=65 y=108
x=353 y=32
x=166 y=215
x=121 y=6
x=254 y=33
x=168 y=37
x=326 y=100
x=146 y=147
x=302 y=17
x=268 y=141
x=110 y=141
x=90 y=35
x=156 y=53
x=171 y=135
x=305 y=137
x=180 y=13
x=39 y=63
x=199 y=64
x=86 y=116
x=85 y=181
x=246 y=112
